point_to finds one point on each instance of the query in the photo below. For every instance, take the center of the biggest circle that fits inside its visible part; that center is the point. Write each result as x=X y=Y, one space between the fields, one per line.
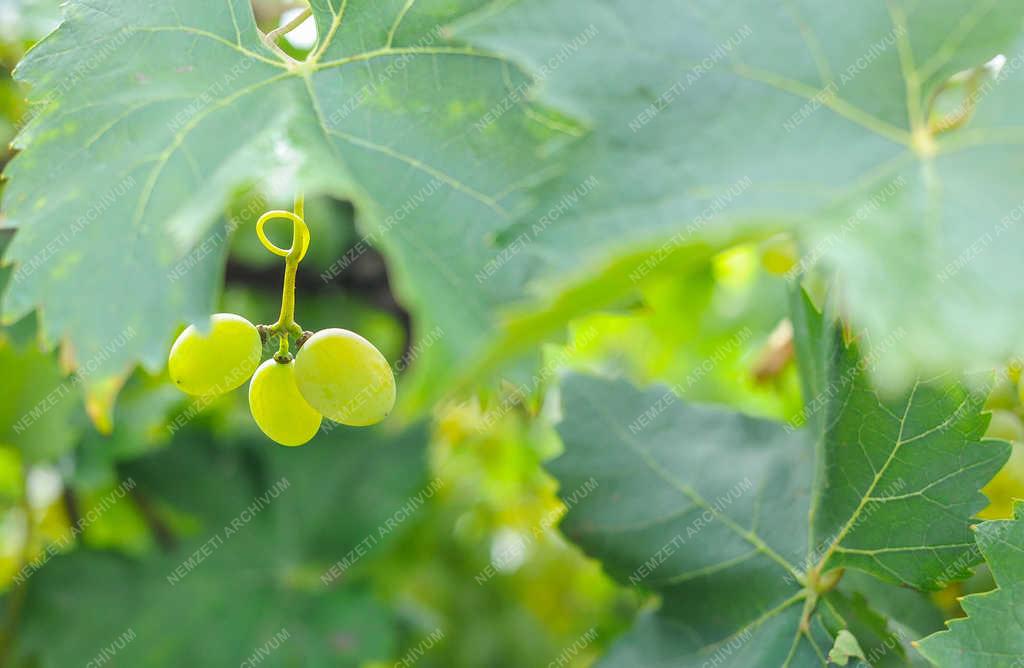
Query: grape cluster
x=335 y=373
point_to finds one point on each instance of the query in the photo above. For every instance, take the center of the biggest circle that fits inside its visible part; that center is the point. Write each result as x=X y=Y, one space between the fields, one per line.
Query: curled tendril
x=286 y=325
x=300 y=235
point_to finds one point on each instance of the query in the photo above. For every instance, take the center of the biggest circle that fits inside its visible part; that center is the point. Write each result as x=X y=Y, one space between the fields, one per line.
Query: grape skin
x=345 y=377
x=1005 y=426
x=779 y=255
x=278 y=408
x=218 y=361
x=1006 y=485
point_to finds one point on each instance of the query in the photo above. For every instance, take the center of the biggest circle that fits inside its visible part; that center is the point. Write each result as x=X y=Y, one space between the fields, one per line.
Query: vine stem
x=16 y=599
x=963 y=111
x=286 y=327
x=300 y=241
x=299 y=19
x=270 y=38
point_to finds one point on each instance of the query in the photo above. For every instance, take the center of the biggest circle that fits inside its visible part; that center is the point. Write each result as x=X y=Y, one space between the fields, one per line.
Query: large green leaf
x=741 y=523
x=265 y=524
x=707 y=121
x=992 y=636
x=181 y=102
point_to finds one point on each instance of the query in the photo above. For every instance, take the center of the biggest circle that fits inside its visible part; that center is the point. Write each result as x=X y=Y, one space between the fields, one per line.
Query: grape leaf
x=753 y=520
x=140 y=428
x=40 y=409
x=182 y=102
x=992 y=635
x=846 y=648
x=264 y=529
x=911 y=613
x=707 y=122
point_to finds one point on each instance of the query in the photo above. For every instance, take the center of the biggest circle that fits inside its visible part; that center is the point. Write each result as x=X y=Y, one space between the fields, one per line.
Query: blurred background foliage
x=95 y=526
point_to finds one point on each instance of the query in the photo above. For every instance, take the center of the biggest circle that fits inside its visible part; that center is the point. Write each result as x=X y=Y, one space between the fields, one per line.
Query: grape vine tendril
x=285 y=327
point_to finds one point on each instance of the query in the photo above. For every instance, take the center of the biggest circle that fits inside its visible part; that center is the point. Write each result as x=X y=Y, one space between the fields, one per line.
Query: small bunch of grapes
x=335 y=373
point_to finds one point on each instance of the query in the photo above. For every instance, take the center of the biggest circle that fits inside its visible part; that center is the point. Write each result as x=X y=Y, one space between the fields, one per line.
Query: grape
x=278 y=408
x=1002 y=395
x=217 y=361
x=345 y=377
x=1005 y=426
x=779 y=255
x=1006 y=486
x=1013 y=370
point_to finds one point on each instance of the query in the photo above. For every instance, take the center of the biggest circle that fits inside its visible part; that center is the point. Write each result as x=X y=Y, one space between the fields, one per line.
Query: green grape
x=1003 y=395
x=345 y=377
x=1005 y=426
x=217 y=361
x=779 y=255
x=278 y=408
x=1006 y=486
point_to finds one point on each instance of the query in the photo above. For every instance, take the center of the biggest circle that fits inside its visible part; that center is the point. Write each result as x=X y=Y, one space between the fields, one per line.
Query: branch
x=165 y=538
x=270 y=38
x=16 y=598
x=275 y=34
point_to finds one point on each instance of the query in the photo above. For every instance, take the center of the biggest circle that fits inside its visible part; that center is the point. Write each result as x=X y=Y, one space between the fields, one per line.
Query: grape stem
x=286 y=325
x=299 y=19
x=963 y=111
x=270 y=38
x=16 y=599
x=300 y=241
